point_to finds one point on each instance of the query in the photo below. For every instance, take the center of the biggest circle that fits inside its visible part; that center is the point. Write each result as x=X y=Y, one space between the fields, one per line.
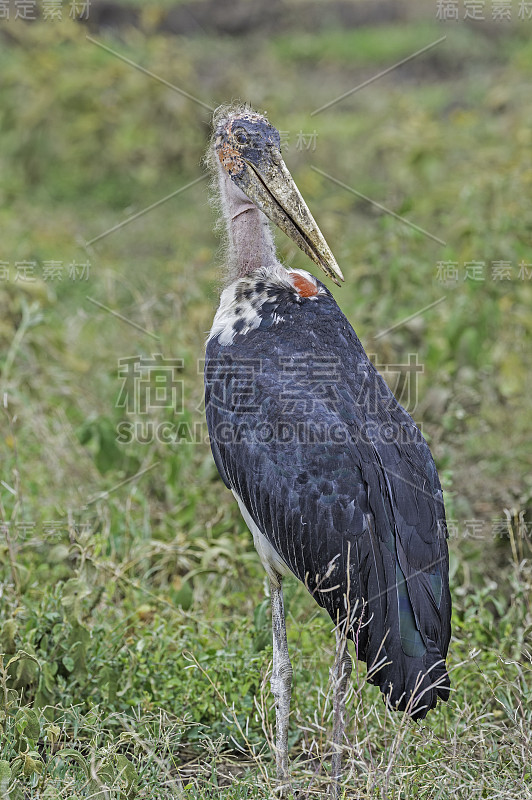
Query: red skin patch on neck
x=304 y=287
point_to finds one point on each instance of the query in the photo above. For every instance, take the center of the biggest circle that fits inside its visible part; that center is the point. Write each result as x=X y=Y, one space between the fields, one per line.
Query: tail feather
x=409 y=684
x=404 y=651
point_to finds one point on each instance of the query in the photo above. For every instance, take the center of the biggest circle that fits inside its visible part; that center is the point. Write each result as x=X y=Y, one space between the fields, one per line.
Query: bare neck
x=250 y=240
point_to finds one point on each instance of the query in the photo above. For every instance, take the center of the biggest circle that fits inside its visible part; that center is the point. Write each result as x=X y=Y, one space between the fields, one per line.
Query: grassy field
x=134 y=626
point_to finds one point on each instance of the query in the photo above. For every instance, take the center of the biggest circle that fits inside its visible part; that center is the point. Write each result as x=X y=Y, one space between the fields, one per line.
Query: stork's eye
x=241 y=136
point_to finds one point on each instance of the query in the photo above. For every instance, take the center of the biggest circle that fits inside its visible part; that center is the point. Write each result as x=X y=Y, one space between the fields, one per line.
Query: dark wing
x=356 y=518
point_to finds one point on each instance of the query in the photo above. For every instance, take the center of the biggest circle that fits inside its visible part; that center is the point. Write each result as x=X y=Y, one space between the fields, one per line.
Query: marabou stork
x=333 y=478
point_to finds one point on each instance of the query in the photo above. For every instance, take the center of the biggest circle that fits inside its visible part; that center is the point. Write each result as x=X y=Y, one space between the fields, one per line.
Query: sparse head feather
x=222 y=117
x=239 y=132
x=225 y=116
x=228 y=112
x=226 y=165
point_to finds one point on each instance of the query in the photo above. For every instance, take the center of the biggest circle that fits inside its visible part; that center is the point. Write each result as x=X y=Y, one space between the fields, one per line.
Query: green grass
x=383 y=44
x=136 y=624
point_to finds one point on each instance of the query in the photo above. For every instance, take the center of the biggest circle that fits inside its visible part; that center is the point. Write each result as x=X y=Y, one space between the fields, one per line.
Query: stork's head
x=248 y=148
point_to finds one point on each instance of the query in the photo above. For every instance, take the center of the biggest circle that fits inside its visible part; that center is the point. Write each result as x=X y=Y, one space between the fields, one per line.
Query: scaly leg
x=340 y=675
x=281 y=683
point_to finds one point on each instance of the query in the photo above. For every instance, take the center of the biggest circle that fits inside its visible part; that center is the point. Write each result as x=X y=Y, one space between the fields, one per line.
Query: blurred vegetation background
x=133 y=622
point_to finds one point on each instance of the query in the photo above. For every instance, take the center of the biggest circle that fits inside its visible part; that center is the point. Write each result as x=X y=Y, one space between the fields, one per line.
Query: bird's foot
x=283 y=790
x=335 y=791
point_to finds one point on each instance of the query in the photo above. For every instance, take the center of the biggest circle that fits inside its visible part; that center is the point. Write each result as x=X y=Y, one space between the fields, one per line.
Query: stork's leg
x=340 y=675
x=281 y=683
